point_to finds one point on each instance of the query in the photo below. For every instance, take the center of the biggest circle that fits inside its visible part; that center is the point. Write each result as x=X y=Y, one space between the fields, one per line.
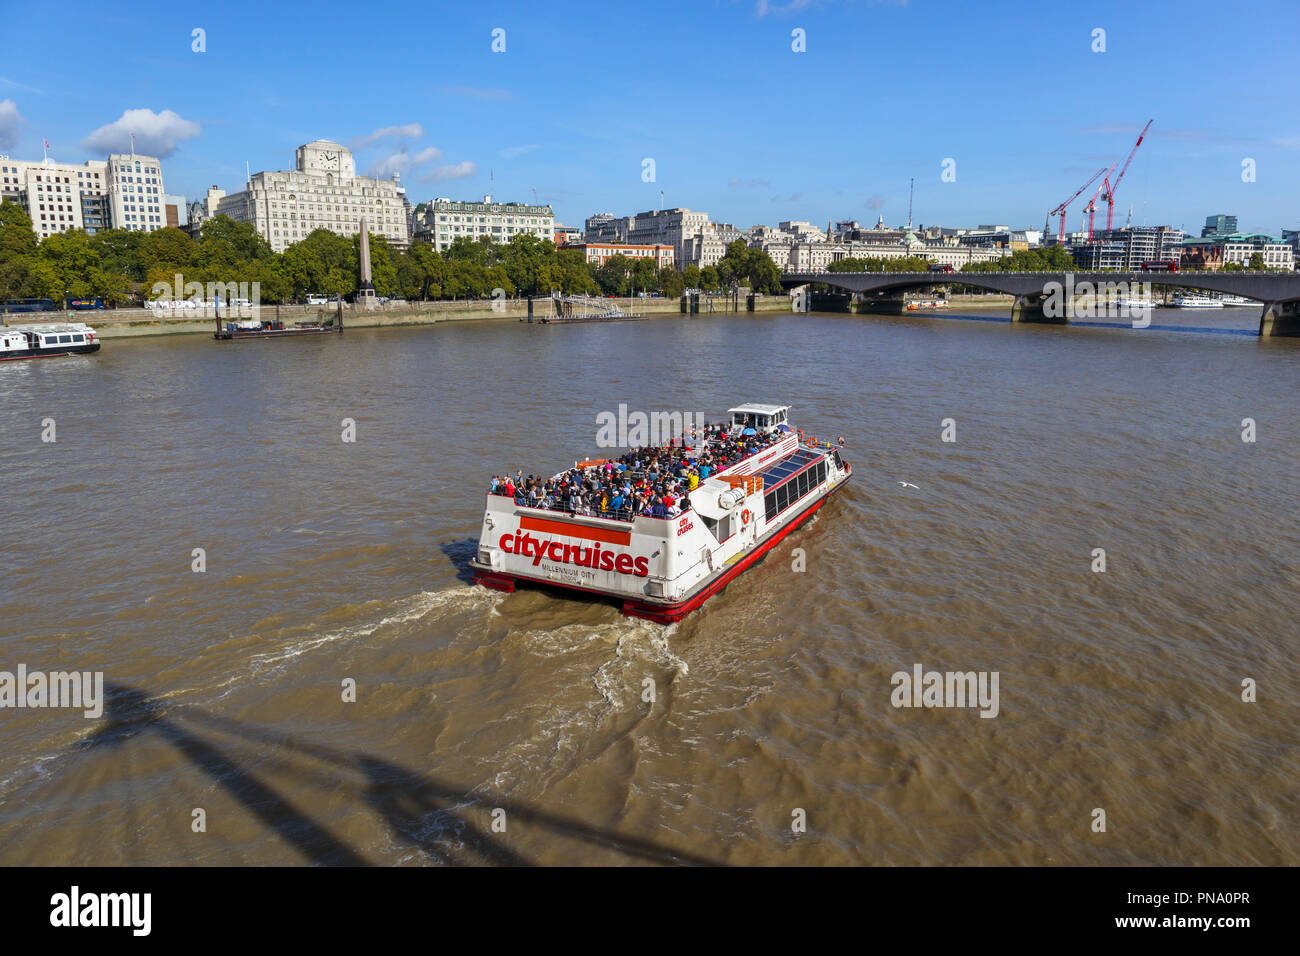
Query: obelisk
x=366 y=292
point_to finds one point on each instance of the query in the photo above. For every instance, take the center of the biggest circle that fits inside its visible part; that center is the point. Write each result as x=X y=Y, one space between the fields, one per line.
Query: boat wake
x=410 y=609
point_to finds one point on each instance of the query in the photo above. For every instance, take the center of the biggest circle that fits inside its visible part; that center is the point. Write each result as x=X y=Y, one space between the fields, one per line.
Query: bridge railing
x=955 y=276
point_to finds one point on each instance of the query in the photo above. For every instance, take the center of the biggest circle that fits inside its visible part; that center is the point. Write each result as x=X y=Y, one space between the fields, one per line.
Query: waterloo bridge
x=1277 y=292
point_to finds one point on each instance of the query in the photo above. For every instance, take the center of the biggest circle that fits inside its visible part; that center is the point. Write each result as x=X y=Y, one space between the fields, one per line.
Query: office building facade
x=322 y=192
x=124 y=192
x=1128 y=248
x=442 y=221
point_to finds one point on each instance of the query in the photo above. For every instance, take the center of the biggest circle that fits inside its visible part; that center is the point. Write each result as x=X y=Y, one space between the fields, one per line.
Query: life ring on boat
x=745 y=517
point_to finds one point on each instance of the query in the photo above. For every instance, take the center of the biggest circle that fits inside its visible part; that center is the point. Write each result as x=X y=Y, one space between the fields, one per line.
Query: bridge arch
x=1278 y=292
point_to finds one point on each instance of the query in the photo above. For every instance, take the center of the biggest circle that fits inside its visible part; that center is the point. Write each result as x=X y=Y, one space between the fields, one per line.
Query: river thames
x=513 y=728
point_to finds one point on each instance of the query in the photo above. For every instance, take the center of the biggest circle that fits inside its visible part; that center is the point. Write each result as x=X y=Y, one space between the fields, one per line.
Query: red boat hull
x=658 y=611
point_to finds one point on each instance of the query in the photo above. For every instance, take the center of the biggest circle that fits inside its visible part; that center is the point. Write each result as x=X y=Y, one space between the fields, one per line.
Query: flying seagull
x=907 y=485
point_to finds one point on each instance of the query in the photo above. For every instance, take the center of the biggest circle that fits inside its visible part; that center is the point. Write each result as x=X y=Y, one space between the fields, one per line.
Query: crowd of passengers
x=654 y=480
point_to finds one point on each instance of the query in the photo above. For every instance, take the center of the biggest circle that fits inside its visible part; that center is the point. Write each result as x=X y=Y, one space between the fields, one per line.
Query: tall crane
x=1108 y=191
x=1091 y=208
x=1060 y=210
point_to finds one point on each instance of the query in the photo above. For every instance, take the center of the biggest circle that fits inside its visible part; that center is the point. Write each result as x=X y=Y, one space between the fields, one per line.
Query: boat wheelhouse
x=46 y=341
x=664 y=563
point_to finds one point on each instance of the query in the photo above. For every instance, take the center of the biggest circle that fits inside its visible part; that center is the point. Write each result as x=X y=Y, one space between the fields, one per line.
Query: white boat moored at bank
x=46 y=340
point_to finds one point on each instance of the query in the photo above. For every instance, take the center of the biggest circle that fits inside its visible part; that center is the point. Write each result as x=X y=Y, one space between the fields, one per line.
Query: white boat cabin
x=16 y=338
x=762 y=418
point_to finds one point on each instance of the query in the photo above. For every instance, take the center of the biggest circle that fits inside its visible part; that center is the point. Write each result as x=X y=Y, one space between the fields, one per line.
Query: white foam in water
x=564 y=730
x=640 y=641
x=420 y=605
x=417 y=607
x=31 y=771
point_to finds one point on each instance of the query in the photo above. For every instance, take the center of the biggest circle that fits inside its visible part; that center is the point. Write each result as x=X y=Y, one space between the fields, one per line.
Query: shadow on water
x=421 y=811
x=460 y=552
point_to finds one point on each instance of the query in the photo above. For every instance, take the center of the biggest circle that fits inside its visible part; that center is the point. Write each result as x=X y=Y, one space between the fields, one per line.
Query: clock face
x=329 y=160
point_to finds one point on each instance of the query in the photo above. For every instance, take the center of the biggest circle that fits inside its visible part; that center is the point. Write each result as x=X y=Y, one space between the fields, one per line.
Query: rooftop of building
x=1232 y=237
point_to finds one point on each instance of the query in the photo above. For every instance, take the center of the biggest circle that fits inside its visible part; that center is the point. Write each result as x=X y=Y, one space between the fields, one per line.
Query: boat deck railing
x=561 y=506
x=626 y=515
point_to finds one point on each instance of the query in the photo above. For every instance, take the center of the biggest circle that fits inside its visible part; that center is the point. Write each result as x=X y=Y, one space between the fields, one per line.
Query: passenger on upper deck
x=651 y=480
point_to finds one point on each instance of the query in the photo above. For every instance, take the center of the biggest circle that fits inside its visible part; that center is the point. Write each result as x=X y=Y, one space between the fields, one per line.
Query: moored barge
x=273 y=328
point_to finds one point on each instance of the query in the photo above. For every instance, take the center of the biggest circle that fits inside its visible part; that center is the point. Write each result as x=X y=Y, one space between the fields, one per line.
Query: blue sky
x=737 y=123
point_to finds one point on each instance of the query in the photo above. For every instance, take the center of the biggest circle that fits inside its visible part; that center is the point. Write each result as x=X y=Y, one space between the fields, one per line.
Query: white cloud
x=401 y=162
x=5 y=81
x=478 y=92
x=408 y=131
x=510 y=152
x=156 y=134
x=455 y=171
x=764 y=7
x=11 y=122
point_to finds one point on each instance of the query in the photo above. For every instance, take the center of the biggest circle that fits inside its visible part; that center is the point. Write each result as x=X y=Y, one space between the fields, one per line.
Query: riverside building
x=1214 y=252
x=695 y=240
x=1219 y=225
x=124 y=192
x=442 y=221
x=135 y=192
x=816 y=256
x=1128 y=248
x=599 y=252
x=322 y=192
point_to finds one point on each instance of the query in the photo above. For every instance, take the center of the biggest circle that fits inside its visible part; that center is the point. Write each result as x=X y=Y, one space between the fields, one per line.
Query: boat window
x=78 y=338
x=65 y=339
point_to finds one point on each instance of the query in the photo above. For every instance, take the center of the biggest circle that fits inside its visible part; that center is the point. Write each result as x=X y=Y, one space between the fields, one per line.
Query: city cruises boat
x=46 y=341
x=1236 y=301
x=1194 y=300
x=663 y=567
x=915 y=305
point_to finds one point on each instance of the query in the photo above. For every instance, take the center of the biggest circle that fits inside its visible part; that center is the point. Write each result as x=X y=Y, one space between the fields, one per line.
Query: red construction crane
x=1091 y=208
x=1108 y=191
x=1060 y=210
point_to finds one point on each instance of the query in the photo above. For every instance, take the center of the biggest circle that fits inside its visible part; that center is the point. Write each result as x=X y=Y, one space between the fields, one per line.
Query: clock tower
x=323 y=156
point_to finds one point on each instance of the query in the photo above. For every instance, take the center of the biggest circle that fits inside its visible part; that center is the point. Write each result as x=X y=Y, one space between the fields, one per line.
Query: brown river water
x=326 y=561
